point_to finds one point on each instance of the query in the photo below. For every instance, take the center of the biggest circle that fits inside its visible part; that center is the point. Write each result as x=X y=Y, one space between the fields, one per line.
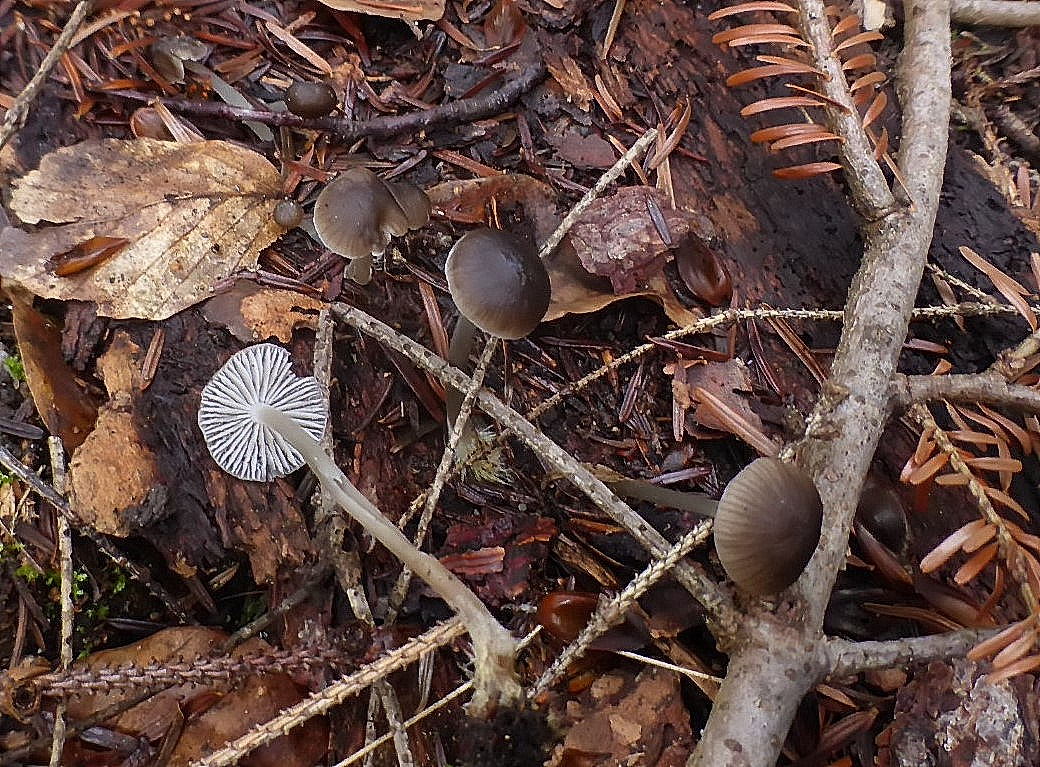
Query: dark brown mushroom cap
x=498 y=282
x=308 y=99
x=356 y=214
x=767 y=525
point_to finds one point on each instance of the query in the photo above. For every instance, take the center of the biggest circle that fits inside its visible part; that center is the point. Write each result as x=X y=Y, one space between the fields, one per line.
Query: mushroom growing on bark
x=358 y=213
x=499 y=285
x=767 y=525
x=260 y=421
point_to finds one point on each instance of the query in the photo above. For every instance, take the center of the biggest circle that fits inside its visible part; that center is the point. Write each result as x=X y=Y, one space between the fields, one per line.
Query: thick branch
x=989 y=387
x=768 y=676
x=997 y=13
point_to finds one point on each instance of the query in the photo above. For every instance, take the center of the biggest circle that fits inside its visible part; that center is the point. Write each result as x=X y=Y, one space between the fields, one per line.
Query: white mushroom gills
x=261 y=421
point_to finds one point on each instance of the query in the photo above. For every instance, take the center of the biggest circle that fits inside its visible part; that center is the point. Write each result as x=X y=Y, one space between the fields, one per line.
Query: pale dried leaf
x=193 y=214
x=947 y=548
x=995 y=643
x=409 y=10
x=1010 y=288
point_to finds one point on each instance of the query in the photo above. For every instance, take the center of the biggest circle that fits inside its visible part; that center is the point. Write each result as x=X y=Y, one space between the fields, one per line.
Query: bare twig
x=758 y=699
x=870 y=193
x=988 y=387
x=65 y=550
x=451 y=113
x=997 y=13
x=846 y=658
x=15 y=117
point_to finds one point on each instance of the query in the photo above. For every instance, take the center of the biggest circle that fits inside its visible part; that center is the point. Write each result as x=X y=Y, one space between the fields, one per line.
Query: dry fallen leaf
x=63 y=405
x=114 y=475
x=408 y=10
x=253 y=313
x=193 y=215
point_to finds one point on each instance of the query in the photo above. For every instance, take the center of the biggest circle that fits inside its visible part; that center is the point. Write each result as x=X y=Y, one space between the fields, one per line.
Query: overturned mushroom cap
x=767 y=525
x=356 y=214
x=498 y=282
x=231 y=414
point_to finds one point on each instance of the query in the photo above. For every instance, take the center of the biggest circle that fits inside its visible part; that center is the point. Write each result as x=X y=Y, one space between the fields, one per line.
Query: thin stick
x=65 y=551
x=452 y=113
x=15 y=117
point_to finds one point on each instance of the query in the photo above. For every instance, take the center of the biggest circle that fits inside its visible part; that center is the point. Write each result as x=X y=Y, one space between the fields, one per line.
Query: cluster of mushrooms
x=261 y=421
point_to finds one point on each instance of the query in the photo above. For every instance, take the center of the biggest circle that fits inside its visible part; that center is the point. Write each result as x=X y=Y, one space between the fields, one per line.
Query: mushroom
x=356 y=215
x=767 y=525
x=260 y=421
x=287 y=213
x=499 y=285
x=308 y=99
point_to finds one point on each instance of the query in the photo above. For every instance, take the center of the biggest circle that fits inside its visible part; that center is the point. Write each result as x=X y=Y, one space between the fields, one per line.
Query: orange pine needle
x=766 y=5
x=796 y=172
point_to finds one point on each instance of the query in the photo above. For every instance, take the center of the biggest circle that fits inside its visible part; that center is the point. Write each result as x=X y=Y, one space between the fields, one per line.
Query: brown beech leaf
x=114 y=475
x=575 y=291
x=253 y=313
x=216 y=716
x=466 y=201
x=409 y=10
x=63 y=405
x=192 y=215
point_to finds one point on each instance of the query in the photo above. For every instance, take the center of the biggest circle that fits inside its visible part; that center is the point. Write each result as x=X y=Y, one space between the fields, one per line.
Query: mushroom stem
x=459 y=347
x=493 y=646
x=665 y=497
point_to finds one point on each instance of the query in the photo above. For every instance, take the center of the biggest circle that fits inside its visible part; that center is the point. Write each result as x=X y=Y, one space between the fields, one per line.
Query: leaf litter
x=192 y=214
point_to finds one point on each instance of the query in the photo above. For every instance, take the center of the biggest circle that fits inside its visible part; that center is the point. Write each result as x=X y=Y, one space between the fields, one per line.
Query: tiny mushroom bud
x=767 y=525
x=308 y=99
x=288 y=214
x=261 y=421
x=356 y=214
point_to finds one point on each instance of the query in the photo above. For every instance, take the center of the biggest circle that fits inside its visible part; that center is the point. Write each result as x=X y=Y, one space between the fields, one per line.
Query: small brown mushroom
x=499 y=285
x=358 y=213
x=767 y=525
x=308 y=99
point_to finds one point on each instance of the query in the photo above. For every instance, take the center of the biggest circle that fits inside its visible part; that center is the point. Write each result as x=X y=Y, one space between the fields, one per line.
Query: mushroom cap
x=231 y=413
x=356 y=214
x=498 y=282
x=310 y=99
x=767 y=525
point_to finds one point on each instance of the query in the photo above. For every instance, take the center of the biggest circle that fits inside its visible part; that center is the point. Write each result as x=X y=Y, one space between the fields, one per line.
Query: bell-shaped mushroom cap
x=231 y=414
x=413 y=201
x=498 y=282
x=356 y=214
x=767 y=525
